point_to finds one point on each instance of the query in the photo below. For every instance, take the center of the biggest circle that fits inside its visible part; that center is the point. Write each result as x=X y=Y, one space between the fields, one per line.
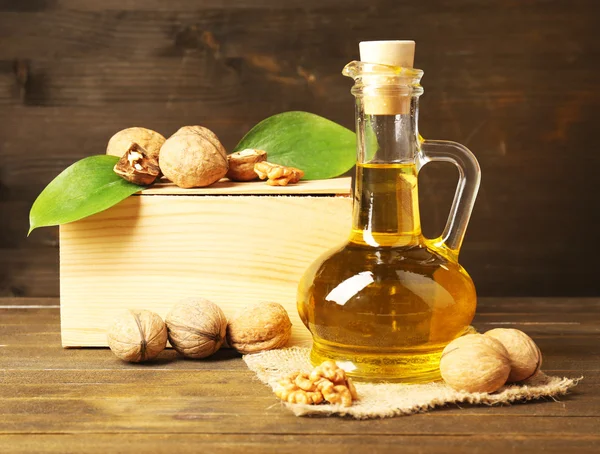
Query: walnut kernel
x=277 y=175
x=335 y=394
x=137 y=336
x=288 y=390
x=330 y=371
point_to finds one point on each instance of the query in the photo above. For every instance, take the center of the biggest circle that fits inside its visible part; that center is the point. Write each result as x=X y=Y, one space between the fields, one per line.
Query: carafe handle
x=466 y=191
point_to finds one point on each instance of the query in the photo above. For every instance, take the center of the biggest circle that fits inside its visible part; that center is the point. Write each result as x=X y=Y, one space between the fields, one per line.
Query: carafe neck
x=387 y=138
x=386 y=202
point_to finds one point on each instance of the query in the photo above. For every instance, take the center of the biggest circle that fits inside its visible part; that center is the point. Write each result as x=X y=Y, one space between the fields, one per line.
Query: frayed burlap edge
x=384 y=400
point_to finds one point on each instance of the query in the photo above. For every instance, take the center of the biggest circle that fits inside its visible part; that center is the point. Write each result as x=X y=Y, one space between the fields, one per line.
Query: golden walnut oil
x=385 y=304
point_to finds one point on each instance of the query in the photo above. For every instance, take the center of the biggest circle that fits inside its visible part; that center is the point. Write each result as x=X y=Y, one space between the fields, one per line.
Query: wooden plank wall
x=515 y=80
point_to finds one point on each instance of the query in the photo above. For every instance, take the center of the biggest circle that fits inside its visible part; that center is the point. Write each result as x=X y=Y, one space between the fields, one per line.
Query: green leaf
x=85 y=188
x=316 y=145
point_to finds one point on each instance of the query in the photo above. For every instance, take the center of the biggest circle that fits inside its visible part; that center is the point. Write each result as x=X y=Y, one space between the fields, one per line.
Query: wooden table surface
x=85 y=400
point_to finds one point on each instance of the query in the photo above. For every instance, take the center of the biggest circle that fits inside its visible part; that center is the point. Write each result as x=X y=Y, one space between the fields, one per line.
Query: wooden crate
x=234 y=244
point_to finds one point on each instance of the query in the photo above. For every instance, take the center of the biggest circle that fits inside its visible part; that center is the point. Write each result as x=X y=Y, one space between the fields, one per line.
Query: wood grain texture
x=514 y=81
x=334 y=186
x=56 y=400
x=151 y=251
x=289 y=444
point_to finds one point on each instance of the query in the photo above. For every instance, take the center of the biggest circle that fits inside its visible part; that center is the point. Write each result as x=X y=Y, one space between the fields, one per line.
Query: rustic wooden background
x=515 y=80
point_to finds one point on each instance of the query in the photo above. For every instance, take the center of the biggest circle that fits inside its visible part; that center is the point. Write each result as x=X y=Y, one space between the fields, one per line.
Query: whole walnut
x=525 y=356
x=149 y=140
x=475 y=363
x=262 y=326
x=196 y=327
x=193 y=157
x=137 y=335
x=204 y=132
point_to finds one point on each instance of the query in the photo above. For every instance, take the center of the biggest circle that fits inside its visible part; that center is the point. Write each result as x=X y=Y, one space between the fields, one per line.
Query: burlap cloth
x=383 y=400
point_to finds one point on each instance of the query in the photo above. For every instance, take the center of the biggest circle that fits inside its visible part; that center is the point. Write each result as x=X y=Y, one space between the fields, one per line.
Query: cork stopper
x=392 y=53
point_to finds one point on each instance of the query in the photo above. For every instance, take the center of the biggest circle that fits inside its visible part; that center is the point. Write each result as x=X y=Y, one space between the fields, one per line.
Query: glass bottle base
x=403 y=366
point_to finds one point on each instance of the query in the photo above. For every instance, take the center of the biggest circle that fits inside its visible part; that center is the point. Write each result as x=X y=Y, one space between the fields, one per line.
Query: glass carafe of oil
x=386 y=303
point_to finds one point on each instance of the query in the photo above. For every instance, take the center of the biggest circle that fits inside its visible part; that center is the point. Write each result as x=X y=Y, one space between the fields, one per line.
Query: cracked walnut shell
x=137 y=166
x=259 y=327
x=277 y=175
x=137 y=335
x=241 y=164
x=149 y=140
x=196 y=327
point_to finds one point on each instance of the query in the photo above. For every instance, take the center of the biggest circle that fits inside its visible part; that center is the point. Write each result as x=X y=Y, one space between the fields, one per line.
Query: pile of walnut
x=325 y=383
x=486 y=362
x=197 y=328
x=192 y=157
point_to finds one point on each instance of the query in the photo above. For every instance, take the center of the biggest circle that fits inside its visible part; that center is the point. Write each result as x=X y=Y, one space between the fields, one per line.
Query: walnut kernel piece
x=241 y=164
x=335 y=394
x=330 y=371
x=299 y=396
x=289 y=391
x=352 y=388
x=137 y=166
x=304 y=382
x=276 y=174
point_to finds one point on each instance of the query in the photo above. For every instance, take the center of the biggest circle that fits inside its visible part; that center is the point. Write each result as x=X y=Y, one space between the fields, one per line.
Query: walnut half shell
x=241 y=164
x=137 y=166
x=149 y=140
